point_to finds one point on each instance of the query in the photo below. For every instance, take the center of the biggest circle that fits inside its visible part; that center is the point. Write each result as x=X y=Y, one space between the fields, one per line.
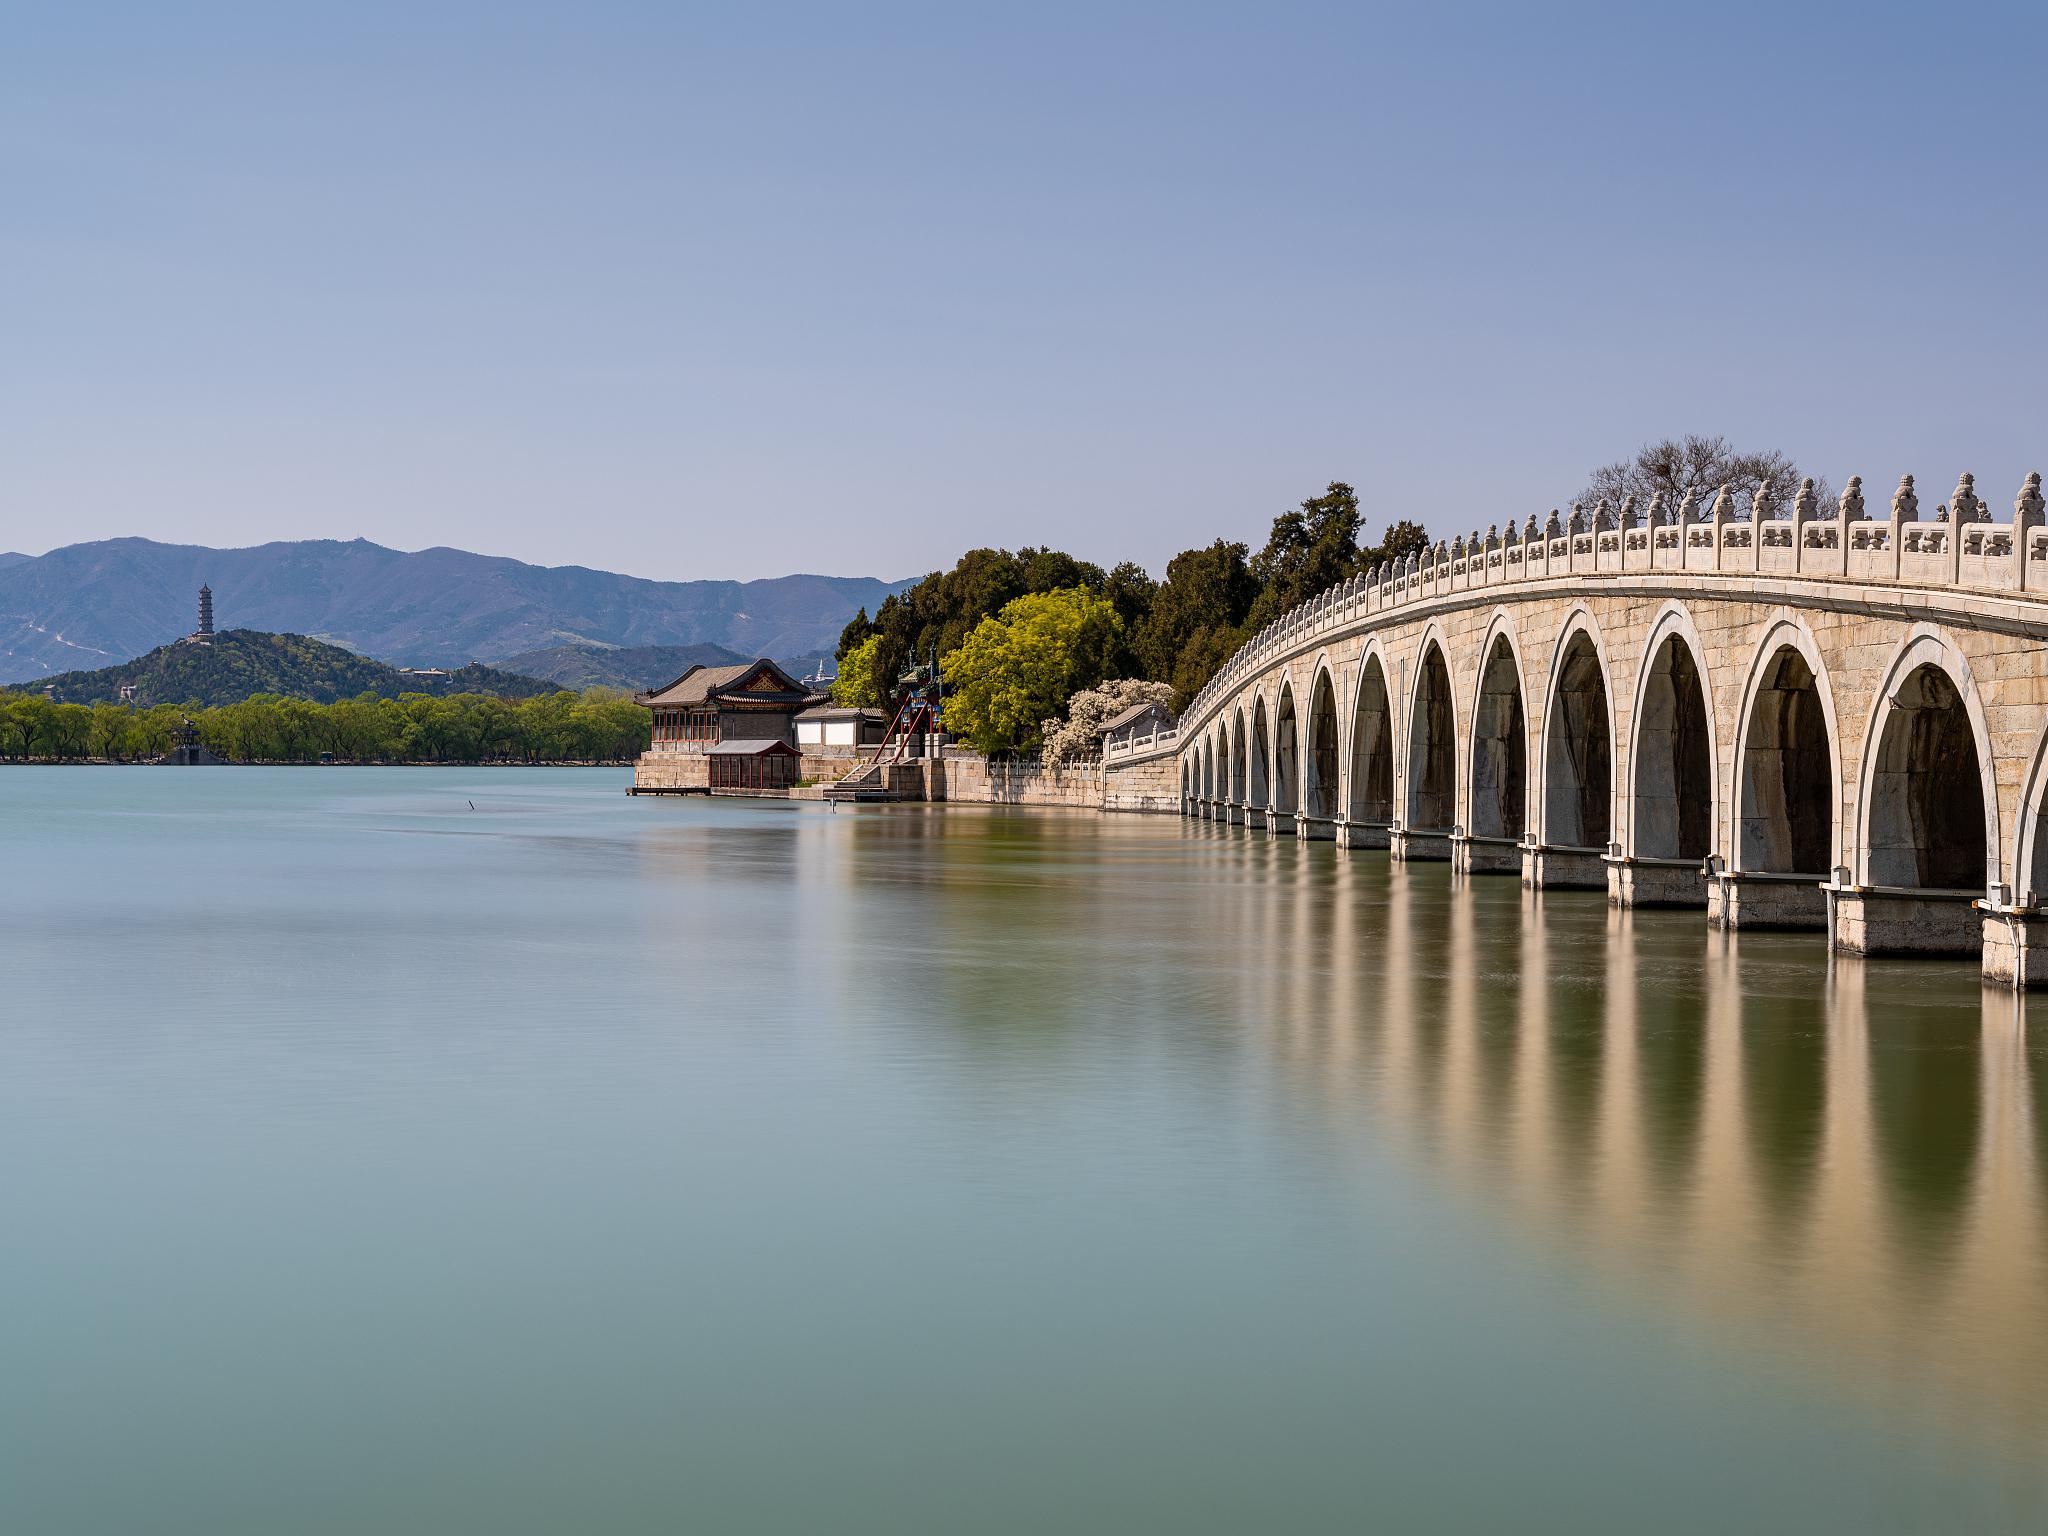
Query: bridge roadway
x=1827 y=721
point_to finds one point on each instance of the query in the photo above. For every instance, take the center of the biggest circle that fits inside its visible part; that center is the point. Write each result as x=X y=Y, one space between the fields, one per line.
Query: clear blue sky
x=737 y=290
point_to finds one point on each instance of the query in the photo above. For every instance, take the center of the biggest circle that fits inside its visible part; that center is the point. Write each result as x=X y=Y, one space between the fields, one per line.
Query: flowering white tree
x=1077 y=738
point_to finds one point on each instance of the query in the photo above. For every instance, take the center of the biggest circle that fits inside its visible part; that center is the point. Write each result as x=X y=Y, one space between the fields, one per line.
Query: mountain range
x=92 y=605
x=619 y=666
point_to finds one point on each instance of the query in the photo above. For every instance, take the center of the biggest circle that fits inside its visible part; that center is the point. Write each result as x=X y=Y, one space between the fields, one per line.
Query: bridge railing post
x=1905 y=511
x=2027 y=510
x=1848 y=503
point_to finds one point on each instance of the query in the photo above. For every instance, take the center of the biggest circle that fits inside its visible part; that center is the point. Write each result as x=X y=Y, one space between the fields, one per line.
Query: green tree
x=156 y=729
x=110 y=731
x=935 y=615
x=854 y=687
x=18 y=724
x=1017 y=669
x=859 y=630
x=70 y=732
x=1402 y=539
x=1196 y=617
x=1308 y=552
x=1131 y=592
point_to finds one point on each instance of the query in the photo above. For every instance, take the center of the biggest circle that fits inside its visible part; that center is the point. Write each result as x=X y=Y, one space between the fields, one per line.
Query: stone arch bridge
x=1825 y=719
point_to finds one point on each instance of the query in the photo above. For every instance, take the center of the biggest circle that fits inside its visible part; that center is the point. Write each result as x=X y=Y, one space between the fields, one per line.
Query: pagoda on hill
x=204 y=633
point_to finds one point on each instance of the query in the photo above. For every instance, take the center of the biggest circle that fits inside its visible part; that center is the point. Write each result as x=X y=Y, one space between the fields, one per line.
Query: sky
x=735 y=291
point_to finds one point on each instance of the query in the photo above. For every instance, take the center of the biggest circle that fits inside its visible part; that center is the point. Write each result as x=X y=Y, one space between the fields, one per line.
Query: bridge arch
x=1672 y=752
x=1258 y=756
x=1286 y=752
x=1235 y=756
x=2030 y=832
x=1927 y=810
x=1787 y=792
x=1432 y=741
x=1371 y=799
x=1577 y=794
x=1498 y=796
x=1322 y=776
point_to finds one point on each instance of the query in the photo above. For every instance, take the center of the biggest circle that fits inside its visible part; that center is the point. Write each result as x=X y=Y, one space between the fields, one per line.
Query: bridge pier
x=1640 y=882
x=1362 y=834
x=1563 y=869
x=1485 y=855
x=2015 y=944
x=1419 y=845
x=1314 y=829
x=1753 y=899
x=1875 y=920
x=1280 y=823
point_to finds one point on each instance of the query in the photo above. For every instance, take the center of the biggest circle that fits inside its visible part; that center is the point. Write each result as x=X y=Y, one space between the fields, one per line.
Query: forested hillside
x=630 y=666
x=237 y=663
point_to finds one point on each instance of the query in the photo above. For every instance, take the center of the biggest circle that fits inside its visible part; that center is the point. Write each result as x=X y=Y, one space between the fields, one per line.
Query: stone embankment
x=1142 y=781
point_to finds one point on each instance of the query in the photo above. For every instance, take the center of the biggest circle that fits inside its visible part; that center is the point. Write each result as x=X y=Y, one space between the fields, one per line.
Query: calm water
x=576 y=1163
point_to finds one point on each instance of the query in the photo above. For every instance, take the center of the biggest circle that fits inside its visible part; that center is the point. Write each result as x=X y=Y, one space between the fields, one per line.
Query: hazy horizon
x=489 y=554
x=696 y=294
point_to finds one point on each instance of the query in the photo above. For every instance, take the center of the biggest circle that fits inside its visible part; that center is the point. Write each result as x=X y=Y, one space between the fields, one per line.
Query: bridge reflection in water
x=1837 y=1164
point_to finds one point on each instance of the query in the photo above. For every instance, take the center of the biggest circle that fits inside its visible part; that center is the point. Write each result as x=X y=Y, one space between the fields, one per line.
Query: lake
x=486 y=1150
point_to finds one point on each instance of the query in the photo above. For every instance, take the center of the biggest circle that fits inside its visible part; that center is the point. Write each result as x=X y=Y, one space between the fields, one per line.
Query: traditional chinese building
x=729 y=729
x=825 y=730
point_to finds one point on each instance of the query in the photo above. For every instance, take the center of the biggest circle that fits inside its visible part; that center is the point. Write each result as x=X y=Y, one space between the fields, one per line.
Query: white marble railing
x=1962 y=548
x=1160 y=739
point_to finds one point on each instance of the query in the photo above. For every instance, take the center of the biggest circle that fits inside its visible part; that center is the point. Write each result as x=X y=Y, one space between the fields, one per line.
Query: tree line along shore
x=1021 y=637
x=599 y=725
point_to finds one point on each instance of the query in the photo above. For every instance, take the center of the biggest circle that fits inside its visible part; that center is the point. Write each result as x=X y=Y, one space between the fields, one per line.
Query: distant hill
x=89 y=605
x=241 y=662
x=622 y=666
x=9 y=557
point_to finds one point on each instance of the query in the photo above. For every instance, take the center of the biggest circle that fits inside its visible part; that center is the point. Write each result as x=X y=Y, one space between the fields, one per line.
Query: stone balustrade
x=1158 y=739
x=1961 y=548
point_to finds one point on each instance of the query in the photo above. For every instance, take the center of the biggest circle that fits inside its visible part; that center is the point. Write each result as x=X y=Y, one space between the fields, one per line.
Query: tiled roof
x=698 y=684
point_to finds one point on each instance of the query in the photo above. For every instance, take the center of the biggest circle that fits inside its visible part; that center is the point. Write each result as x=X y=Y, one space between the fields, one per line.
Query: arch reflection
x=1842 y=1168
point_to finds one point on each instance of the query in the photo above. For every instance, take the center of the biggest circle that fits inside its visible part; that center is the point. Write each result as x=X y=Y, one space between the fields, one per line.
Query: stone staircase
x=867 y=782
